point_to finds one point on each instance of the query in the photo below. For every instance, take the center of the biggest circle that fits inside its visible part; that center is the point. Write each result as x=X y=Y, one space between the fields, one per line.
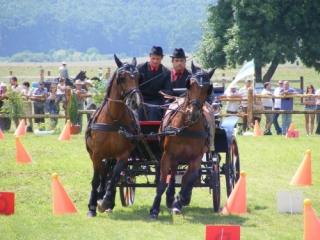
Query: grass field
x=269 y=161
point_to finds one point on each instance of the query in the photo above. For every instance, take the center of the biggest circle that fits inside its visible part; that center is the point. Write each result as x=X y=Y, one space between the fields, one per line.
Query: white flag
x=247 y=70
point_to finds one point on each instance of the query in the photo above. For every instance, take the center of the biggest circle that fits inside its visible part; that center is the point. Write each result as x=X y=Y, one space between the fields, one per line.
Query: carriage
x=144 y=161
x=180 y=145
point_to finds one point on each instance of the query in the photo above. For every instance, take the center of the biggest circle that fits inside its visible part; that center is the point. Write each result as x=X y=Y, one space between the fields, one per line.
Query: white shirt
x=244 y=94
x=234 y=105
x=63 y=72
x=266 y=102
x=318 y=99
x=61 y=89
x=277 y=101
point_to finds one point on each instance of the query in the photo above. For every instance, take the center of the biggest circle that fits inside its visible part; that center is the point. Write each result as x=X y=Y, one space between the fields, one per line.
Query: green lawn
x=270 y=162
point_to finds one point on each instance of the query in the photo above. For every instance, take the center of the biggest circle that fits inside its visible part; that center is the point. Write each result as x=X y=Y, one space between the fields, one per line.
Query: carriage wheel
x=127 y=194
x=215 y=184
x=232 y=167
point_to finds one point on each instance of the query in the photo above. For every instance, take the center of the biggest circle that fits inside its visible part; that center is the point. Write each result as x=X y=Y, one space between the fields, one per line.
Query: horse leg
x=98 y=173
x=184 y=197
x=161 y=187
x=171 y=189
x=108 y=201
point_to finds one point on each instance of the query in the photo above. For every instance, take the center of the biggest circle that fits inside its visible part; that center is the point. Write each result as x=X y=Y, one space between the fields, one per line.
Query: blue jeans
x=275 y=122
x=286 y=120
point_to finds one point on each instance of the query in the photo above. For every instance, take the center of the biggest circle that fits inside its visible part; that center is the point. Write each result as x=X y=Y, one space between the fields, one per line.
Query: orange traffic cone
x=65 y=134
x=237 y=201
x=311 y=222
x=303 y=176
x=292 y=127
x=257 y=130
x=22 y=156
x=21 y=129
x=1 y=134
x=62 y=203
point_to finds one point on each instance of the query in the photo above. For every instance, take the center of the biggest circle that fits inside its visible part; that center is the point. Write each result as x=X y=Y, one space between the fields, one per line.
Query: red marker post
x=222 y=232
x=6 y=203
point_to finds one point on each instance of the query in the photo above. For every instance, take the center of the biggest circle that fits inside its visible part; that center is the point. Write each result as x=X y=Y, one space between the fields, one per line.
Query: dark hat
x=178 y=53
x=156 y=50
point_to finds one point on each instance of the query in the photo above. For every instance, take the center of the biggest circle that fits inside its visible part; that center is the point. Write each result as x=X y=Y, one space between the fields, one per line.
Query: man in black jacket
x=179 y=73
x=154 y=77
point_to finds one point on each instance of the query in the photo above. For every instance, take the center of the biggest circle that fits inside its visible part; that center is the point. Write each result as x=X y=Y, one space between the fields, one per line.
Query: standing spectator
x=27 y=104
x=52 y=105
x=14 y=84
x=61 y=93
x=81 y=96
x=39 y=100
x=286 y=104
x=267 y=104
x=233 y=106
x=91 y=91
x=277 y=106
x=244 y=104
x=63 y=71
x=309 y=104
x=318 y=108
x=5 y=122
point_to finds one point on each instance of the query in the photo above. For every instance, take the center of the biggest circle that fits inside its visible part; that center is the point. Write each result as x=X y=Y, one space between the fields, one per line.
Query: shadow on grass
x=194 y=215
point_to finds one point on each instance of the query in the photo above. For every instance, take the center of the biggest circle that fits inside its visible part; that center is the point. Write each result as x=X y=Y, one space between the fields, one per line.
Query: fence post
x=108 y=73
x=10 y=73
x=49 y=73
x=250 y=106
x=301 y=87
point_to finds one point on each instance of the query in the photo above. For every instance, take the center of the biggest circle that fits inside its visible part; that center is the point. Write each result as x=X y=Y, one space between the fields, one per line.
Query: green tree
x=268 y=31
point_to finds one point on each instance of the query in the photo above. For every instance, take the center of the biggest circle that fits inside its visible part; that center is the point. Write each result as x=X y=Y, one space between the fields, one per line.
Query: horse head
x=198 y=89
x=127 y=80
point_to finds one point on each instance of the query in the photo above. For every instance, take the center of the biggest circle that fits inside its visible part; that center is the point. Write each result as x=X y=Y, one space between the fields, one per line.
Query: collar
x=175 y=75
x=153 y=68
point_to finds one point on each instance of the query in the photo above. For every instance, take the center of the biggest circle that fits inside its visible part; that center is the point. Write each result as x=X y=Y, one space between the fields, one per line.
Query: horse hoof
x=91 y=214
x=109 y=210
x=101 y=207
x=153 y=216
x=176 y=211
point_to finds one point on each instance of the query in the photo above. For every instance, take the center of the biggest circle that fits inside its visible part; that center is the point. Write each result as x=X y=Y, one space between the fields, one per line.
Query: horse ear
x=188 y=83
x=134 y=62
x=118 y=62
x=193 y=67
x=210 y=89
x=210 y=73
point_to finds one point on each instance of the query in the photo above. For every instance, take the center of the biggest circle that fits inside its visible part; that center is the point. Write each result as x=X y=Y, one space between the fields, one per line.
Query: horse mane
x=108 y=91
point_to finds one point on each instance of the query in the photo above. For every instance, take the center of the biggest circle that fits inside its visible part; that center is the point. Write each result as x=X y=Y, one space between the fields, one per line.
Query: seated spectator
x=233 y=106
x=52 y=105
x=267 y=104
x=309 y=104
x=39 y=97
x=27 y=104
x=286 y=104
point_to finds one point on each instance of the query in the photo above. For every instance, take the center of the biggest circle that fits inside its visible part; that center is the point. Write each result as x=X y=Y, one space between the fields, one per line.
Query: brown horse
x=108 y=147
x=188 y=143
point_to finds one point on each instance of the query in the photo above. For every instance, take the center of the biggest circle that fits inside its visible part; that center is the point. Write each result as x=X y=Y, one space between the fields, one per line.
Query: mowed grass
x=269 y=161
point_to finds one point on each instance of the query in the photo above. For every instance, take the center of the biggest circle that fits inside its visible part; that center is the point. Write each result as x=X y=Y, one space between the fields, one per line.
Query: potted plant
x=13 y=106
x=73 y=114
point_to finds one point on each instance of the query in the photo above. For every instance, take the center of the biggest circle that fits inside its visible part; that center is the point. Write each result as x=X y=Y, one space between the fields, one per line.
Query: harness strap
x=184 y=132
